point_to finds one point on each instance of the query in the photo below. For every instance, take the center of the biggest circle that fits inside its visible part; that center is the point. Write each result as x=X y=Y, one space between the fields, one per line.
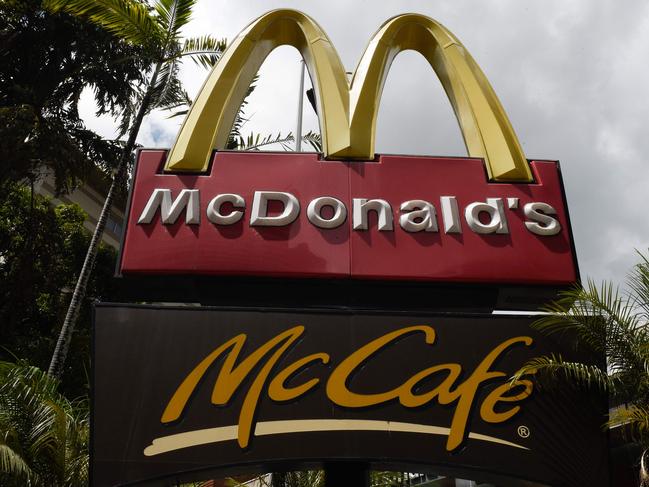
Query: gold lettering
x=231 y=377
x=448 y=391
x=442 y=392
x=337 y=390
x=467 y=391
x=277 y=389
x=179 y=400
x=487 y=412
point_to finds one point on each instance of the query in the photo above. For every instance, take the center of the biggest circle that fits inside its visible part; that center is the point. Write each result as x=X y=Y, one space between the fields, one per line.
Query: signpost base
x=343 y=474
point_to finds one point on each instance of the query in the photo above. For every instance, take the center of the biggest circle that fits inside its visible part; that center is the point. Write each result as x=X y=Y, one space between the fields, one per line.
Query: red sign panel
x=396 y=218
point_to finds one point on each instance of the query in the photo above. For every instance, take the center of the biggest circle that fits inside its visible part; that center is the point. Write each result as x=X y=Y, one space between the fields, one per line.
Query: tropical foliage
x=316 y=478
x=156 y=30
x=606 y=322
x=42 y=247
x=254 y=142
x=46 y=60
x=43 y=436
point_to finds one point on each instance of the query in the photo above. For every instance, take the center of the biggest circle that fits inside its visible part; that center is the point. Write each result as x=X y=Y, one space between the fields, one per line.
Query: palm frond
x=255 y=141
x=128 y=113
x=168 y=92
x=127 y=19
x=548 y=368
x=241 y=119
x=13 y=465
x=639 y=283
x=204 y=51
x=179 y=113
x=173 y=15
x=165 y=11
x=42 y=435
x=635 y=416
x=314 y=140
x=603 y=321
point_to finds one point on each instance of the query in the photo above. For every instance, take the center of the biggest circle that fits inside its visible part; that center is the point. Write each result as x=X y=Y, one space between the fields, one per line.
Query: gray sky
x=573 y=76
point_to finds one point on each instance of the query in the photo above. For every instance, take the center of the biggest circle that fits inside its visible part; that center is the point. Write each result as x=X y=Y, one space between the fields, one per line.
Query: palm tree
x=43 y=436
x=612 y=324
x=157 y=30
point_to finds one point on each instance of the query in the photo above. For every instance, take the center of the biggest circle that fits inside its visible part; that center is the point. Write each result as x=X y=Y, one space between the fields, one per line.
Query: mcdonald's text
x=278 y=209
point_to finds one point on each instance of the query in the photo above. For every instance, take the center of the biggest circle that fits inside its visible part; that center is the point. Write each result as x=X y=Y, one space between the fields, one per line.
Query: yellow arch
x=484 y=124
x=212 y=114
x=348 y=113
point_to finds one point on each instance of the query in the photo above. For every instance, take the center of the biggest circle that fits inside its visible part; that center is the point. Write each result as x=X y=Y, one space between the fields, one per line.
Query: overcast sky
x=573 y=76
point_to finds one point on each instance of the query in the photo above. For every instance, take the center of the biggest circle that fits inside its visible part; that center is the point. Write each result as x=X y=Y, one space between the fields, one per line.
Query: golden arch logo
x=348 y=110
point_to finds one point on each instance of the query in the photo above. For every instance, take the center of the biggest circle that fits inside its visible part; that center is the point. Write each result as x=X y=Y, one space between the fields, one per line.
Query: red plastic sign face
x=398 y=218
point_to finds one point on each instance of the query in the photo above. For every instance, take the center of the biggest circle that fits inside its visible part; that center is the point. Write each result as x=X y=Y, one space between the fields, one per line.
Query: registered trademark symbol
x=523 y=431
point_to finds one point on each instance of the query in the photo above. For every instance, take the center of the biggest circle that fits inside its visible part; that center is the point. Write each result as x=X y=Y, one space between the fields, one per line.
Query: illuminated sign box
x=192 y=394
x=492 y=218
x=396 y=218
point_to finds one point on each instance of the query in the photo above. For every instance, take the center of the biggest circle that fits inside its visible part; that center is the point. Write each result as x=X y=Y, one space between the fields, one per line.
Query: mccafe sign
x=184 y=394
x=493 y=217
x=196 y=392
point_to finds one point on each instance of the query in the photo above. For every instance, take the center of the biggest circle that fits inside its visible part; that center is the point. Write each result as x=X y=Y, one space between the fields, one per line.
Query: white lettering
x=541 y=223
x=188 y=199
x=420 y=217
x=259 y=214
x=214 y=209
x=278 y=209
x=362 y=207
x=495 y=208
x=314 y=209
x=450 y=215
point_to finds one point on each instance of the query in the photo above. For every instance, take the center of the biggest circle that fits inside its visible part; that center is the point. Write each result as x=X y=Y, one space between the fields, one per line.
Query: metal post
x=347 y=474
x=464 y=483
x=300 y=101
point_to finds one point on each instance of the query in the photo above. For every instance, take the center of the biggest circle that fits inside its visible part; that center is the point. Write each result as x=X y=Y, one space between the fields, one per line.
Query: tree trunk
x=65 y=335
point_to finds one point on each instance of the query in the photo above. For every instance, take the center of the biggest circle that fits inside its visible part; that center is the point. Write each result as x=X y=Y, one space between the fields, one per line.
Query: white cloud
x=105 y=125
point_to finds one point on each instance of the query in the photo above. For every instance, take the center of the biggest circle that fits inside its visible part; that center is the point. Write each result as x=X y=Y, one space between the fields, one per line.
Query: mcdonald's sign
x=185 y=393
x=491 y=217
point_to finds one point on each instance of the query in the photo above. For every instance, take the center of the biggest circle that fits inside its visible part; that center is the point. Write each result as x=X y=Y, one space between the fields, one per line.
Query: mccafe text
x=264 y=371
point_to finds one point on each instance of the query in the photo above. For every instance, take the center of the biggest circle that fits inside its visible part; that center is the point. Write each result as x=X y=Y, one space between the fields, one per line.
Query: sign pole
x=300 y=102
x=339 y=474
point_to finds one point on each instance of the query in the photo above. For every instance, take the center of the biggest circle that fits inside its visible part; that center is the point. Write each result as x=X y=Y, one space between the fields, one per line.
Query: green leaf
x=604 y=322
x=127 y=19
x=43 y=436
x=14 y=466
x=254 y=142
x=173 y=15
x=551 y=367
x=314 y=140
x=204 y=51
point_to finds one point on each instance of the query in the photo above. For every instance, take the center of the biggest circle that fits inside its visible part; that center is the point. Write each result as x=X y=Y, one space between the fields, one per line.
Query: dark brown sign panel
x=182 y=393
